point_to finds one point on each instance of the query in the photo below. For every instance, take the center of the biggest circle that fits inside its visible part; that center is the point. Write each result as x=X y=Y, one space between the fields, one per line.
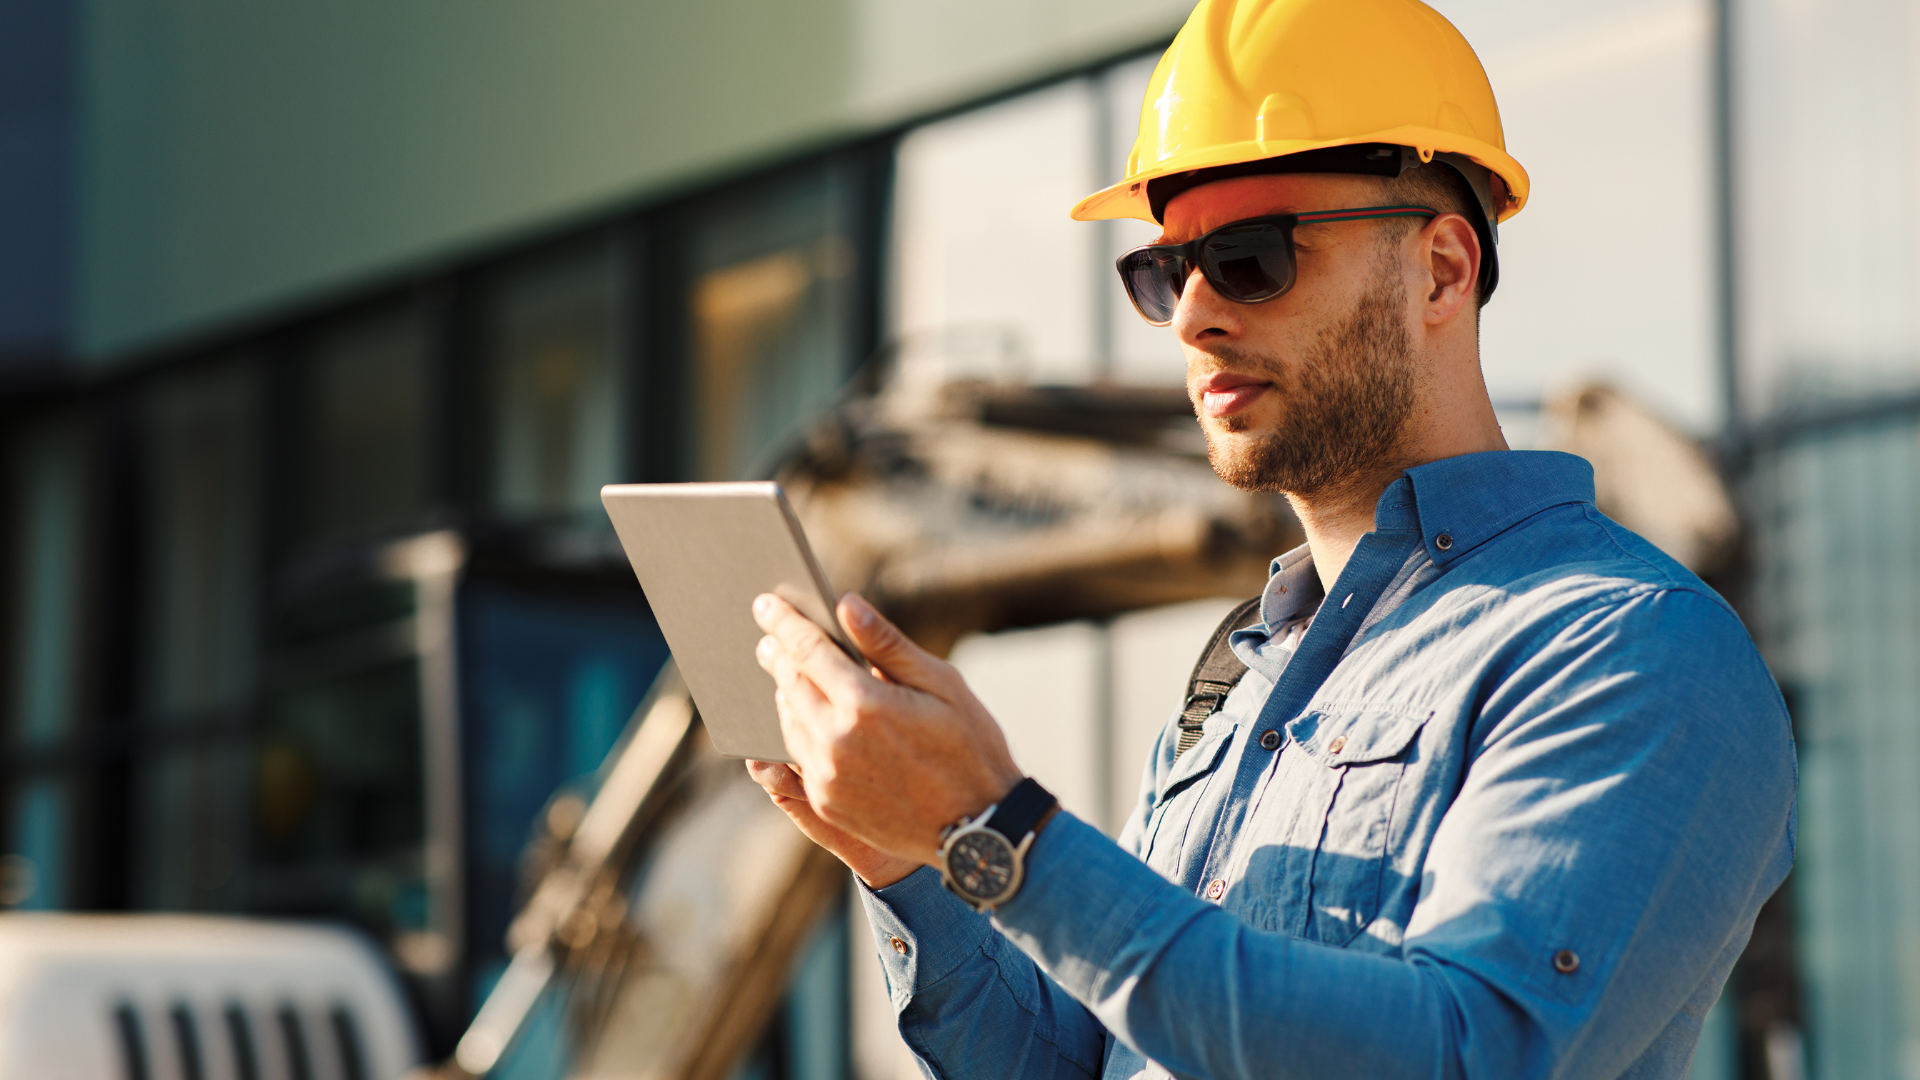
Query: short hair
x=1437 y=187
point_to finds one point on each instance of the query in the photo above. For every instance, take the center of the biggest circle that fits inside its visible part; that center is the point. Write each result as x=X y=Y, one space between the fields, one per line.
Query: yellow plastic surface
x=1252 y=79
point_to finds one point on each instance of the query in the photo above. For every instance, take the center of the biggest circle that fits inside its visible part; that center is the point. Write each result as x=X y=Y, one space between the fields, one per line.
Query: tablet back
x=702 y=553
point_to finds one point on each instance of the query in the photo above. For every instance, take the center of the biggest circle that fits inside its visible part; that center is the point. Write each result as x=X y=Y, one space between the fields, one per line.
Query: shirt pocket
x=1179 y=796
x=1369 y=751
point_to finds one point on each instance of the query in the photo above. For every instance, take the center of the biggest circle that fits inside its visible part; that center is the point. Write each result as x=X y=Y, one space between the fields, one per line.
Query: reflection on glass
x=365 y=402
x=48 y=525
x=556 y=385
x=772 y=317
x=201 y=465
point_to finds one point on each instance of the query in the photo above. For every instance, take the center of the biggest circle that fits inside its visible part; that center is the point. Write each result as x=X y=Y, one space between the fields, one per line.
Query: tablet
x=702 y=552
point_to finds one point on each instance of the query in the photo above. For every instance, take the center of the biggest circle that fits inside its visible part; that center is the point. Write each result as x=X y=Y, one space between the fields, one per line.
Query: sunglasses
x=1245 y=261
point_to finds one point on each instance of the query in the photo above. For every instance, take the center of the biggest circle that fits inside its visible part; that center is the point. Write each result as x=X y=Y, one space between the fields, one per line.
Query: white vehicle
x=180 y=997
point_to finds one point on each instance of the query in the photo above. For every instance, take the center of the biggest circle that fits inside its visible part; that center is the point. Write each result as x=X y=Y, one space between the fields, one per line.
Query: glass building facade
x=315 y=621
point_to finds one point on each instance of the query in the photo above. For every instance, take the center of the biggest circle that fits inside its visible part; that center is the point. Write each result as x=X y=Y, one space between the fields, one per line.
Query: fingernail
x=859 y=612
x=762 y=604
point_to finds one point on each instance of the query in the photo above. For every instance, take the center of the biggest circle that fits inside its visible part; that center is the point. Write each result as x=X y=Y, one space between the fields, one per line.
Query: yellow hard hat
x=1342 y=81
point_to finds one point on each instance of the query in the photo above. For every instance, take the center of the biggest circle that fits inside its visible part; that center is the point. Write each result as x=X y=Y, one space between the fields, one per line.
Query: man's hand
x=877 y=868
x=887 y=757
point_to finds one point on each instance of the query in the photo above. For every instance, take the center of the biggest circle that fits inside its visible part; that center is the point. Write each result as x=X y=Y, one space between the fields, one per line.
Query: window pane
x=772 y=310
x=556 y=386
x=337 y=813
x=366 y=454
x=1608 y=272
x=33 y=860
x=990 y=276
x=202 y=476
x=338 y=810
x=1838 y=571
x=189 y=828
x=1829 y=273
x=1137 y=352
x=551 y=682
x=48 y=489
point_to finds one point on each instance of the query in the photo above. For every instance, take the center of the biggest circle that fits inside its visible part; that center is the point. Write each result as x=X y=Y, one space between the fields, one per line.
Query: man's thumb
x=883 y=643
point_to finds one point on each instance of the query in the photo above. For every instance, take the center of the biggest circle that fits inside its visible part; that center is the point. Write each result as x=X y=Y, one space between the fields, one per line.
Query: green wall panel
x=239 y=158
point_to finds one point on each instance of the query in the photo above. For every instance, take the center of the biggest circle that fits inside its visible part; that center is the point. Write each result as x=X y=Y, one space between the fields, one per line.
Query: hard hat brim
x=1128 y=199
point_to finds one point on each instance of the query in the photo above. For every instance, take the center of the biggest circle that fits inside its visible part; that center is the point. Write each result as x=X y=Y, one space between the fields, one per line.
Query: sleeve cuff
x=921 y=931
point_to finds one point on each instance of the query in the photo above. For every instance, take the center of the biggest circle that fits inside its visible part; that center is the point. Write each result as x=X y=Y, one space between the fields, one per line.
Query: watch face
x=981 y=864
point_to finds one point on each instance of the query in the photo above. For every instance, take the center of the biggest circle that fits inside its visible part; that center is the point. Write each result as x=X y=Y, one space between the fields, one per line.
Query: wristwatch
x=983 y=859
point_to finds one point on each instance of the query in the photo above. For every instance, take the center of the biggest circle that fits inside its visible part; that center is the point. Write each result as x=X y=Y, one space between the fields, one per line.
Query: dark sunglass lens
x=1249 y=265
x=1154 y=280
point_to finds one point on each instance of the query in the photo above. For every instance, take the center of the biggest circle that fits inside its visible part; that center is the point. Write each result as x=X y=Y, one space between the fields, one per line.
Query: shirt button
x=1338 y=744
x=1444 y=542
x=1566 y=961
x=899 y=946
x=1215 y=889
x=1270 y=740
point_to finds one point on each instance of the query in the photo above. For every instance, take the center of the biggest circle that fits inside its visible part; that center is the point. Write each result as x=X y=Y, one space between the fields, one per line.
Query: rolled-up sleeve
x=969 y=1003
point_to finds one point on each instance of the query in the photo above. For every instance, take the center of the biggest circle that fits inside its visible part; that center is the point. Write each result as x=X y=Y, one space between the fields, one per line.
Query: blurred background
x=322 y=325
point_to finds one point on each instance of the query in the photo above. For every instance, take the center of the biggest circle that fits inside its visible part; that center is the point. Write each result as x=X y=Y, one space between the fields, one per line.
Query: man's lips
x=1226 y=393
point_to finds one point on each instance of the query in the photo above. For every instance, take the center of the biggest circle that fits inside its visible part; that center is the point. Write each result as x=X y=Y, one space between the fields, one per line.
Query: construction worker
x=1483 y=785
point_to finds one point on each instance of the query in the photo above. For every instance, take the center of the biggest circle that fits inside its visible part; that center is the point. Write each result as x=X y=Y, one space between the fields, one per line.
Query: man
x=1502 y=787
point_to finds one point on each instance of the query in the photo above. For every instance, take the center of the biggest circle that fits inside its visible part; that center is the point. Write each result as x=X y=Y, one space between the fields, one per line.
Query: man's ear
x=1452 y=249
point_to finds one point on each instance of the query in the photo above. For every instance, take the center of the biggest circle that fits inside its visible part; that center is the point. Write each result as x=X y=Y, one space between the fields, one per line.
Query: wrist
x=1040 y=826
x=881 y=873
x=982 y=858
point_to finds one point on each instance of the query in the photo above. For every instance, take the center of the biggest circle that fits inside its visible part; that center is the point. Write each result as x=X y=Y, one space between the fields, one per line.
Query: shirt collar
x=1293 y=589
x=1454 y=505
x=1459 y=503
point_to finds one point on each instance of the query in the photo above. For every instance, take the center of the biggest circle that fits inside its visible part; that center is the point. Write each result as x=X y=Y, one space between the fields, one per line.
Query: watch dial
x=981 y=864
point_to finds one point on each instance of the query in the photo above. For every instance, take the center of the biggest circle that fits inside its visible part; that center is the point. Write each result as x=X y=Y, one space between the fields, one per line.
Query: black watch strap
x=1021 y=810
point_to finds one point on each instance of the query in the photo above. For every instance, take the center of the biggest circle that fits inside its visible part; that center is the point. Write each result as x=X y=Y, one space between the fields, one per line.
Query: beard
x=1346 y=402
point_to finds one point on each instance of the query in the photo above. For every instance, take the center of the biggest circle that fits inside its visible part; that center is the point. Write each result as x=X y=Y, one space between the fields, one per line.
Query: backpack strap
x=1214 y=676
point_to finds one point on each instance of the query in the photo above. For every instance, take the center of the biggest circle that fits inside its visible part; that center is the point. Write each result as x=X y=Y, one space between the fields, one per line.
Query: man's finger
x=810 y=648
x=778 y=779
x=890 y=649
x=805 y=713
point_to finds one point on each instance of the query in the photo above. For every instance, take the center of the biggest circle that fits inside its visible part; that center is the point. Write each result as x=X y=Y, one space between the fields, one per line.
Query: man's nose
x=1203 y=315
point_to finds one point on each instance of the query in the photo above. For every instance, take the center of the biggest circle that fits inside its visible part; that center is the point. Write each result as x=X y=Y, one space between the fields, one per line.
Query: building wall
x=36 y=177
x=238 y=159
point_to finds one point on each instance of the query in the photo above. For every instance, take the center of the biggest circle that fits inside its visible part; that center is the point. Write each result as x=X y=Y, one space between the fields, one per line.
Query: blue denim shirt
x=1532 y=786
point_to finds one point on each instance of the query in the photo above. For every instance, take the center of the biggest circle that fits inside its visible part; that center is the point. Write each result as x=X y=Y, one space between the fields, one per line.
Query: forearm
x=971 y=1004
x=1193 y=988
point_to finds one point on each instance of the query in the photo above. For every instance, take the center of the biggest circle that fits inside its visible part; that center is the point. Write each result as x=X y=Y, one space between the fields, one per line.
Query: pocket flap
x=1336 y=737
x=1199 y=759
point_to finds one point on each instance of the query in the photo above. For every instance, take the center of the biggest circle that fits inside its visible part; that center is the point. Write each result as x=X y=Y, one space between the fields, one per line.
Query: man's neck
x=1336 y=517
x=1454 y=417
x=1335 y=520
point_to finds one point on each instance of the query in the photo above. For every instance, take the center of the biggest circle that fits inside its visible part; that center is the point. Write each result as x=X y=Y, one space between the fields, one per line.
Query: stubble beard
x=1347 y=402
